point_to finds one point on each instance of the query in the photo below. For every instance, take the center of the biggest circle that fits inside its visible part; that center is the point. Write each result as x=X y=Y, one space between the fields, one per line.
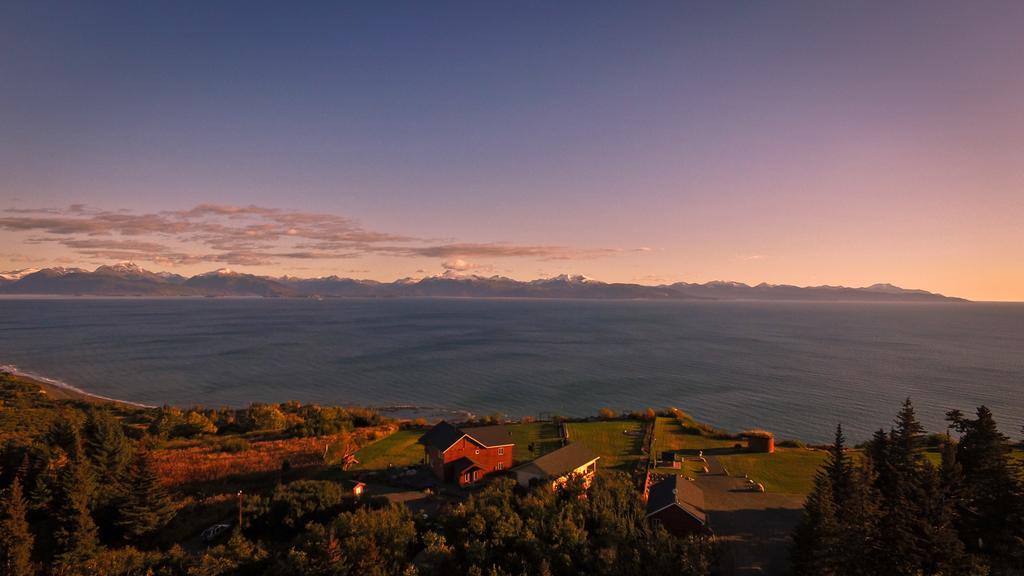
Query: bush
x=302 y=501
x=792 y=444
x=234 y=445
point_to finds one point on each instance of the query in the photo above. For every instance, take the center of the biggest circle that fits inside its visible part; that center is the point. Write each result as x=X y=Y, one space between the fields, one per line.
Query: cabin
x=759 y=441
x=465 y=456
x=677 y=504
x=559 y=466
x=354 y=486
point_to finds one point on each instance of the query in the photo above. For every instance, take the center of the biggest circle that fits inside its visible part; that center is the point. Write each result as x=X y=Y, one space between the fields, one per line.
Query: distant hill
x=127 y=279
x=874 y=293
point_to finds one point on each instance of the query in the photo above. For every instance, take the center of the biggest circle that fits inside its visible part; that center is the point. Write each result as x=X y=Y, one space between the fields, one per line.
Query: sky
x=807 y=143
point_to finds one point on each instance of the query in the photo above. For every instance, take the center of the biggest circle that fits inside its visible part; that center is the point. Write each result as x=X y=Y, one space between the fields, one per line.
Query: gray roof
x=496 y=435
x=679 y=491
x=443 y=435
x=564 y=460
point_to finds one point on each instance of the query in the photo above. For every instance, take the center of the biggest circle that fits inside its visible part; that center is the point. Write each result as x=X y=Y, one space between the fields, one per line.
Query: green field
x=669 y=435
x=398 y=449
x=787 y=471
x=607 y=440
x=543 y=435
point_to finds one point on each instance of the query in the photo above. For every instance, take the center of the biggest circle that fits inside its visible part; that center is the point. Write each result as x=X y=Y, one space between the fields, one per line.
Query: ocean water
x=795 y=368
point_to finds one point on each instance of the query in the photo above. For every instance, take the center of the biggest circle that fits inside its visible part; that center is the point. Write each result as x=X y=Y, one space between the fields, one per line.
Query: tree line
x=889 y=511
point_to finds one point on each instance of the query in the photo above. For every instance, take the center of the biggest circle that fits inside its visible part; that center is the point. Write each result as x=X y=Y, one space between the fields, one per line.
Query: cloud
x=249 y=235
x=457 y=264
x=752 y=257
x=460 y=265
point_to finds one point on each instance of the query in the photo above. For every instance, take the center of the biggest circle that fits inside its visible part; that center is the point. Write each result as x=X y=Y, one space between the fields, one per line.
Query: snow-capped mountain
x=128 y=279
x=17 y=274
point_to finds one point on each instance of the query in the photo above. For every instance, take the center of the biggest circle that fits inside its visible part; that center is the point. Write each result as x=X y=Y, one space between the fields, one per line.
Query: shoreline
x=60 y=390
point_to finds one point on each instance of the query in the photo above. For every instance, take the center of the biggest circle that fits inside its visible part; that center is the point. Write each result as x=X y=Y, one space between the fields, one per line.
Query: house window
x=501 y=451
x=476 y=474
x=501 y=466
x=467 y=477
x=477 y=450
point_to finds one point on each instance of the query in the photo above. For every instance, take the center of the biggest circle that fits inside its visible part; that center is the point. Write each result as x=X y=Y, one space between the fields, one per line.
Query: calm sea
x=795 y=368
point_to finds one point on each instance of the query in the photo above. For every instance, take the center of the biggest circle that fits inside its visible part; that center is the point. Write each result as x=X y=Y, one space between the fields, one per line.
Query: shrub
x=234 y=445
x=792 y=444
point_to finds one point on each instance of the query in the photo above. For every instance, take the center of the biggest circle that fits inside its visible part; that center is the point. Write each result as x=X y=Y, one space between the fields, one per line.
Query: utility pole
x=239 y=511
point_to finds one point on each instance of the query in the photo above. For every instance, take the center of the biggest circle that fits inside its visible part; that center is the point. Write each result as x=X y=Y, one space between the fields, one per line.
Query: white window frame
x=501 y=450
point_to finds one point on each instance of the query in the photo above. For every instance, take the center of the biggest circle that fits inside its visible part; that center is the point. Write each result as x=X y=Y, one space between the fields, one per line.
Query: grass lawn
x=607 y=440
x=398 y=449
x=669 y=435
x=543 y=435
x=787 y=471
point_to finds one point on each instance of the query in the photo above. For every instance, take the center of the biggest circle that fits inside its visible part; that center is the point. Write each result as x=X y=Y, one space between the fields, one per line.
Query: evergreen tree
x=837 y=467
x=15 y=536
x=992 y=494
x=878 y=451
x=76 y=533
x=860 y=543
x=146 y=506
x=907 y=439
x=107 y=447
x=816 y=538
x=942 y=550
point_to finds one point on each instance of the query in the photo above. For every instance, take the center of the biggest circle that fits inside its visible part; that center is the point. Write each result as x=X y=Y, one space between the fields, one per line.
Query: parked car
x=211 y=533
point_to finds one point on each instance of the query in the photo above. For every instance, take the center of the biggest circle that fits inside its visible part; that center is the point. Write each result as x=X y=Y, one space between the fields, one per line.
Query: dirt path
x=754 y=526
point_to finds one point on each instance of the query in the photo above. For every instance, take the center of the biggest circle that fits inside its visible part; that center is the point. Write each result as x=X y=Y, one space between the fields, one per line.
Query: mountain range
x=127 y=279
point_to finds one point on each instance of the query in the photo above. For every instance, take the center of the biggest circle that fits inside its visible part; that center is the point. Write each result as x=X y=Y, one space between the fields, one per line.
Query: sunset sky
x=803 y=143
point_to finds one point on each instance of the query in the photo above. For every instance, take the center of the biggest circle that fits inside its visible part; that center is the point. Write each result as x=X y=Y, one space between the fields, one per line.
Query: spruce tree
x=106 y=446
x=907 y=438
x=15 y=536
x=816 y=538
x=860 y=543
x=146 y=506
x=992 y=493
x=76 y=533
x=838 y=467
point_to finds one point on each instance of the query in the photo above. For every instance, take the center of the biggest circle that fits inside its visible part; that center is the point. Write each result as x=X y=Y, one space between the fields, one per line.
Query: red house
x=677 y=504
x=466 y=455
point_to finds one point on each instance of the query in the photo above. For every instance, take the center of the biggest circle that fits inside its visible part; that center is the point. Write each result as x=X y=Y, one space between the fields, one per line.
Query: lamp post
x=239 y=511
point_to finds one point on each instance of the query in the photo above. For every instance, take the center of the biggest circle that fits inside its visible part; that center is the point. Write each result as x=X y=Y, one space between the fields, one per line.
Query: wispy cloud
x=752 y=257
x=248 y=235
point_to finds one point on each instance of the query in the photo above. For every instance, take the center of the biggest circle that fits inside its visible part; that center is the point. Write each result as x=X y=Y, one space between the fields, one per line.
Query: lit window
x=501 y=465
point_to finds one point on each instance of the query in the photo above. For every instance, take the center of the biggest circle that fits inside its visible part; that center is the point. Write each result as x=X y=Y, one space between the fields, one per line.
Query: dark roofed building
x=441 y=436
x=677 y=504
x=465 y=455
x=560 y=465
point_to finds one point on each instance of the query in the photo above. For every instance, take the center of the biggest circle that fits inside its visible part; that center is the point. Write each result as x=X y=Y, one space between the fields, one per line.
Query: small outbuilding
x=677 y=504
x=354 y=486
x=759 y=441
